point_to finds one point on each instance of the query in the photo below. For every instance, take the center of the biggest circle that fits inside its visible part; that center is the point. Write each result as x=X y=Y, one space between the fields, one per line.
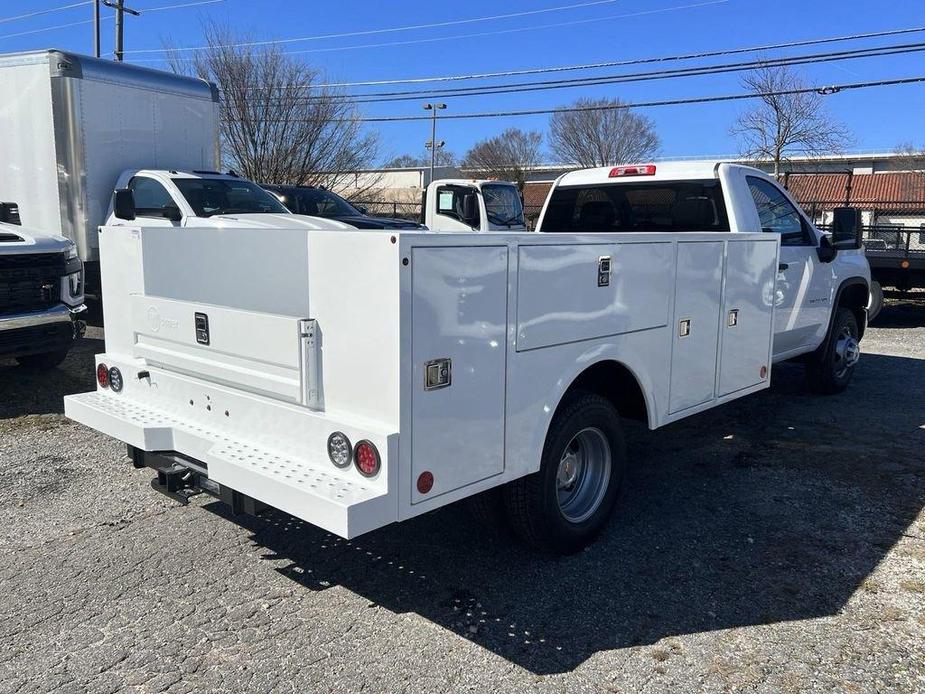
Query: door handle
x=782 y=266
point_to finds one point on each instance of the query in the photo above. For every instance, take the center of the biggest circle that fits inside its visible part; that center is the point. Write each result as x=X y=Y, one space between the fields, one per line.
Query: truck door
x=154 y=206
x=803 y=283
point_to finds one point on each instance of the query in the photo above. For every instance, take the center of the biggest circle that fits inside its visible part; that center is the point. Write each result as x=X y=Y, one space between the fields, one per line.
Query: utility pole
x=432 y=144
x=96 y=28
x=121 y=9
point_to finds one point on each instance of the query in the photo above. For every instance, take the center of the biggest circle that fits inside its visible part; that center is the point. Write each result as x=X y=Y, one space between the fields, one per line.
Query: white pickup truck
x=358 y=378
x=822 y=289
x=41 y=294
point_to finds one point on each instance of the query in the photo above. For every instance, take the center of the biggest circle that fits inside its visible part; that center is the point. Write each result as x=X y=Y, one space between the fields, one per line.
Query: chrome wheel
x=583 y=474
x=847 y=352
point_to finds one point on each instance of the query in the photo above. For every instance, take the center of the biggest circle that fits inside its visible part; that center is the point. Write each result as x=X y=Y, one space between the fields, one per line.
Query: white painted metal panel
x=698 y=294
x=559 y=299
x=258 y=352
x=751 y=271
x=459 y=311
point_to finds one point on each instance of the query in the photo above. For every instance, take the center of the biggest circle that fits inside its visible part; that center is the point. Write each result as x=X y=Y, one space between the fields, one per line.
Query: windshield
x=320 y=203
x=212 y=196
x=503 y=205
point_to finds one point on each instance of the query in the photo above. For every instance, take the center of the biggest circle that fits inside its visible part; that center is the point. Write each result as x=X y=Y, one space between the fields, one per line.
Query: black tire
x=533 y=502
x=876 y=300
x=488 y=511
x=827 y=370
x=42 y=362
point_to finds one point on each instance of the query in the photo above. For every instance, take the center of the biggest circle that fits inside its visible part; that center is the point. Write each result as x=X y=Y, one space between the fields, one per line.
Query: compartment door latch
x=310 y=352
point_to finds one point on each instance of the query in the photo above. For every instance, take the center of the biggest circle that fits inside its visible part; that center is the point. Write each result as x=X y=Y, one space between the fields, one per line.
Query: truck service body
x=358 y=378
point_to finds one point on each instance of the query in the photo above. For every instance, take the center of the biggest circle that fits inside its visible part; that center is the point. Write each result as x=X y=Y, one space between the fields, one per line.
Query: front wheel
x=876 y=300
x=831 y=367
x=565 y=505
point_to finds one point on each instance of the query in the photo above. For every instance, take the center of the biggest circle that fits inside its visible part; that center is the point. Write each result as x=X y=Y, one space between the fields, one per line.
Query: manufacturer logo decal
x=157 y=321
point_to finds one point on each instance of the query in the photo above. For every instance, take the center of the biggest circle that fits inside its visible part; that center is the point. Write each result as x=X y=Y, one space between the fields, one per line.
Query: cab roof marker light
x=638 y=170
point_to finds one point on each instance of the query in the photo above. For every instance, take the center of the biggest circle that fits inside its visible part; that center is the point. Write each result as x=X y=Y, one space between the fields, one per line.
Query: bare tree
x=507 y=156
x=444 y=158
x=601 y=132
x=784 y=123
x=279 y=122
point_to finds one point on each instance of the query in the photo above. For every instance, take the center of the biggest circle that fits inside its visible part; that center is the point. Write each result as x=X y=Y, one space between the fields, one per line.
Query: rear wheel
x=830 y=369
x=565 y=505
x=42 y=362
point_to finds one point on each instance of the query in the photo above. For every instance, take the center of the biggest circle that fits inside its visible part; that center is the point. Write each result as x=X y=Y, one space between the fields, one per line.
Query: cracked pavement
x=774 y=544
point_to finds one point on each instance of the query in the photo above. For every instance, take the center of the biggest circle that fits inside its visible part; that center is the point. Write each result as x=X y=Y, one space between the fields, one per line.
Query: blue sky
x=623 y=29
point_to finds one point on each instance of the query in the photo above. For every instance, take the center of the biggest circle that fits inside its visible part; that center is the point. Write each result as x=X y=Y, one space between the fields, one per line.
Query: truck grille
x=30 y=282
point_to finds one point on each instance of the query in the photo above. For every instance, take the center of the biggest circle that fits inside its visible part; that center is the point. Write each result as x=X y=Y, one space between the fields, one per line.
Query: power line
x=826 y=90
x=619 y=63
x=107 y=18
x=696 y=71
x=83 y=3
x=368 y=32
x=496 y=32
x=546 y=85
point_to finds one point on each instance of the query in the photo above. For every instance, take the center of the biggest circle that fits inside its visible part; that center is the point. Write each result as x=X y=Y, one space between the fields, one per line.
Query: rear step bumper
x=298 y=486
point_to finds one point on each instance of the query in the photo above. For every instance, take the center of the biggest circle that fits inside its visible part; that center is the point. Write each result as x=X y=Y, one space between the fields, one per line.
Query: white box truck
x=355 y=379
x=80 y=127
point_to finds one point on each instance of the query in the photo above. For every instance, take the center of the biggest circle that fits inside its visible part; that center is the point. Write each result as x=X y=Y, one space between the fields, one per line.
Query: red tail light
x=102 y=375
x=366 y=458
x=643 y=170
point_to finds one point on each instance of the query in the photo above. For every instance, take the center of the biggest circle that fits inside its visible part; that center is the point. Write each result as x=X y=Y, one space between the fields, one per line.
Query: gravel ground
x=777 y=544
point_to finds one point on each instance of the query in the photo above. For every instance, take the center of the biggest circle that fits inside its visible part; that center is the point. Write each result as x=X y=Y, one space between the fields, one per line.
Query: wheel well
x=612 y=380
x=855 y=297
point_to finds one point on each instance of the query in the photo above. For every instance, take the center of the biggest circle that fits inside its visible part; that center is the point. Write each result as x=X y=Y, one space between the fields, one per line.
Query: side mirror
x=362 y=209
x=123 y=204
x=172 y=212
x=9 y=213
x=826 y=251
x=846 y=228
x=470 y=209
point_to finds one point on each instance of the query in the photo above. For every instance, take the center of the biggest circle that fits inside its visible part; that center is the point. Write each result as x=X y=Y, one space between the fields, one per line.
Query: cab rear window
x=624 y=207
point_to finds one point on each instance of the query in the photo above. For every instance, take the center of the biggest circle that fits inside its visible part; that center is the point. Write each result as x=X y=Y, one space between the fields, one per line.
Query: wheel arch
x=853 y=294
x=616 y=382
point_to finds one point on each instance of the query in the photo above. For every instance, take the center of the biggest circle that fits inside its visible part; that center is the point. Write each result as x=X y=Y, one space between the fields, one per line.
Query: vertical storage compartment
x=459 y=343
x=698 y=292
x=748 y=303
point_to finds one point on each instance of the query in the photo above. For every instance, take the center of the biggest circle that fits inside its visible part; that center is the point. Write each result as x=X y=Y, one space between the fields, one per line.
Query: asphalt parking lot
x=774 y=544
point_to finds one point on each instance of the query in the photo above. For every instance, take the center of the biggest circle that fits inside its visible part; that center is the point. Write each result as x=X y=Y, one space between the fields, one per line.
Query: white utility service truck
x=464 y=204
x=76 y=128
x=41 y=294
x=354 y=379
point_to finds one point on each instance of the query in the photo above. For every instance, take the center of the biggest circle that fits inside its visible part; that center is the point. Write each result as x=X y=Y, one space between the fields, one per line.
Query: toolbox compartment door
x=459 y=320
x=698 y=292
x=748 y=314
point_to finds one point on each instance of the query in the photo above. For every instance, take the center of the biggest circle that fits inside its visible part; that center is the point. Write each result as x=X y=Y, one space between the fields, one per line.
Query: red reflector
x=643 y=170
x=425 y=482
x=102 y=375
x=366 y=458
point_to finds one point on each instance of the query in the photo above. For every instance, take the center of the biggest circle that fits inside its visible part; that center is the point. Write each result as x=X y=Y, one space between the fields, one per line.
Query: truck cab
x=473 y=205
x=818 y=275
x=41 y=282
x=201 y=199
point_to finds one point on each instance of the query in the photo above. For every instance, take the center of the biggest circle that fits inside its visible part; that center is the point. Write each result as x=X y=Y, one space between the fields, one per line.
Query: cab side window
x=150 y=197
x=777 y=213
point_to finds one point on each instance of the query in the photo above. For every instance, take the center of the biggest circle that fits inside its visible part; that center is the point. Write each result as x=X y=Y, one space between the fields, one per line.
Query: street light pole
x=433 y=144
